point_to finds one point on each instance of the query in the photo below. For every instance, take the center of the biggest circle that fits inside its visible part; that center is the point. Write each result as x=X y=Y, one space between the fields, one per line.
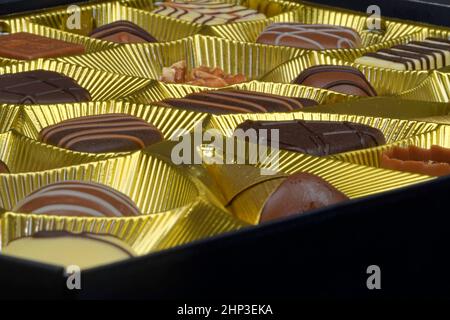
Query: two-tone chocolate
x=310 y=36
x=300 y=193
x=79 y=199
x=317 y=138
x=207 y=12
x=28 y=46
x=85 y=250
x=122 y=32
x=432 y=53
x=40 y=87
x=102 y=134
x=237 y=101
x=343 y=79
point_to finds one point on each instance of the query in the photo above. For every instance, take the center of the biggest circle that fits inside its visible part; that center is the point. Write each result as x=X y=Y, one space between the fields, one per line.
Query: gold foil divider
x=434 y=88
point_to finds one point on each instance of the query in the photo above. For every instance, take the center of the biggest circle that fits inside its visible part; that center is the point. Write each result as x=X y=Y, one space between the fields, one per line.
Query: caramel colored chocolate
x=237 y=101
x=102 y=134
x=79 y=199
x=299 y=193
x=85 y=250
x=122 y=32
x=433 y=162
x=317 y=138
x=40 y=87
x=3 y=167
x=28 y=46
x=310 y=36
x=343 y=79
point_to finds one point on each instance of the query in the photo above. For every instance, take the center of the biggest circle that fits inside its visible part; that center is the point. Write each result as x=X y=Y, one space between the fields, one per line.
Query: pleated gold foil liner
x=9 y=117
x=312 y=14
x=437 y=119
x=148 y=60
x=145 y=234
x=393 y=129
x=22 y=154
x=150 y=94
x=388 y=107
x=277 y=7
x=101 y=85
x=154 y=185
x=95 y=15
x=384 y=81
x=371 y=157
x=171 y=122
x=246 y=190
x=435 y=88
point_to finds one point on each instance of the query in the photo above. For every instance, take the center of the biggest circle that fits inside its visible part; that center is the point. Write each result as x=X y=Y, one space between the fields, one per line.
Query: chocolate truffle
x=310 y=36
x=433 y=162
x=3 y=167
x=102 y=134
x=77 y=198
x=237 y=101
x=317 y=138
x=206 y=12
x=40 y=87
x=85 y=250
x=343 y=79
x=28 y=46
x=299 y=193
x=122 y=32
x=432 y=53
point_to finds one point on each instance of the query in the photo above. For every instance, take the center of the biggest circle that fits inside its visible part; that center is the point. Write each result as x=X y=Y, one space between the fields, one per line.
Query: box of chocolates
x=141 y=138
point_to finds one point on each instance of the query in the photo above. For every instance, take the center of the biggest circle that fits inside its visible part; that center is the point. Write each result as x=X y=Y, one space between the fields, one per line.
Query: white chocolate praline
x=374 y=62
x=84 y=251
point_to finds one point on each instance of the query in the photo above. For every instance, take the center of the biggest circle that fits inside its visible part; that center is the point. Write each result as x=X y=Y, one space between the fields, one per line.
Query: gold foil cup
x=150 y=94
x=148 y=60
x=435 y=88
x=312 y=14
x=246 y=190
x=384 y=81
x=271 y=8
x=372 y=156
x=389 y=107
x=171 y=122
x=9 y=117
x=22 y=154
x=95 y=15
x=101 y=85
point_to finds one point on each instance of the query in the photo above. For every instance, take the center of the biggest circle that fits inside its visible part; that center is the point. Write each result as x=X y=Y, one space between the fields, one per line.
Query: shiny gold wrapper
x=246 y=190
x=22 y=154
x=95 y=15
x=311 y=14
x=9 y=117
x=148 y=60
x=271 y=8
x=371 y=157
x=388 y=107
x=101 y=85
x=152 y=94
x=393 y=129
x=144 y=234
x=384 y=81
x=171 y=122
x=435 y=88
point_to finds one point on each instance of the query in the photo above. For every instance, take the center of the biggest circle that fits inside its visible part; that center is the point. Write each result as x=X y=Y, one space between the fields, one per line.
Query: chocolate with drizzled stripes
x=102 y=133
x=207 y=13
x=432 y=53
x=310 y=36
x=237 y=101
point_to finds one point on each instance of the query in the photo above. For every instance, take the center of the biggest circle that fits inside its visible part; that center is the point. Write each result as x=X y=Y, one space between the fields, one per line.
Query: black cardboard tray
x=322 y=254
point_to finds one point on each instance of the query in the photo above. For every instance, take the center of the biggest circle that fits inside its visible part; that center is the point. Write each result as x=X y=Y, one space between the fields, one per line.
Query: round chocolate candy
x=343 y=79
x=77 y=198
x=299 y=193
x=102 y=133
